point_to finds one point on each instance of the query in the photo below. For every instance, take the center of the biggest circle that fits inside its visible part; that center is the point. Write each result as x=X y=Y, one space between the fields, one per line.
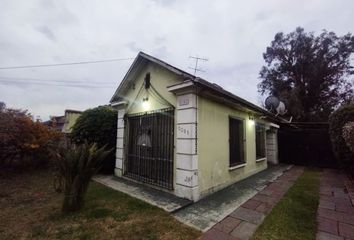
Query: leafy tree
x=311 y=74
x=24 y=142
x=76 y=166
x=98 y=125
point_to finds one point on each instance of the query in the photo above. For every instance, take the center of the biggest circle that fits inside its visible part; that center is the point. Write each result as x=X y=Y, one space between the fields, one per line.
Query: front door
x=149 y=157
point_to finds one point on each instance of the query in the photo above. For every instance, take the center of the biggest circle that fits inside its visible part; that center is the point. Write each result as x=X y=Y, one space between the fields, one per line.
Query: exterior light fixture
x=251 y=119
x=146 y=104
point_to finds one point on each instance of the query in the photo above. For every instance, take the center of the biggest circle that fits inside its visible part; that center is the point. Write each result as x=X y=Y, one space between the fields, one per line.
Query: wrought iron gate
x=149 y=157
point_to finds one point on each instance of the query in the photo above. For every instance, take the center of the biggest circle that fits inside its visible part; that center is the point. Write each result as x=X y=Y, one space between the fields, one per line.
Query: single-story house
x=64 y=123
x=185 y=135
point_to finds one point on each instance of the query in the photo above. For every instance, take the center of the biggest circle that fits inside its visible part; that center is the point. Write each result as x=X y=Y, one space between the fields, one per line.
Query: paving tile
x=327 y=204
x=264 y=208
x=265 y=199
x=346 y=230
x=345 y=207
x=214 y=234
x=327 y=225
x=334 y=215
x=227 y=224
x=251 y=204
x=327 y=236
x=248 y=215
x=244 y=231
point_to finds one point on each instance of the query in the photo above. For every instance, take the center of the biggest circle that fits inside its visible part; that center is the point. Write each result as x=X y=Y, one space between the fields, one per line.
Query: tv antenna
x=196 y=64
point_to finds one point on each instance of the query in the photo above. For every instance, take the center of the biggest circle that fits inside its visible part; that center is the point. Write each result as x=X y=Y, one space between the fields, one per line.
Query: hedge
x=342 y=152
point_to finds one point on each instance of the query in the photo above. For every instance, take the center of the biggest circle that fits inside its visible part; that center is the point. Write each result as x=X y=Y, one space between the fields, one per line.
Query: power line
x=52 y=80
x=5 y=82
x=66 y=64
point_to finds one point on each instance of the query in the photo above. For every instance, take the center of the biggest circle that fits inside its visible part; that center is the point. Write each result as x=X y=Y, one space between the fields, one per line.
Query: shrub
x=23 y=142
x=75 y=167
x=348 y=135
x=98 y=125
x=337 y=120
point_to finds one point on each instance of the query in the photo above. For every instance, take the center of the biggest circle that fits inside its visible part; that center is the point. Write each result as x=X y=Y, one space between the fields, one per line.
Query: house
x=70 y=119
x=185 y=135
x=64 y=123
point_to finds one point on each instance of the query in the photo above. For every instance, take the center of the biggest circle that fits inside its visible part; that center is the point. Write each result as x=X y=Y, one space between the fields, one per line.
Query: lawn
x=294 y=217
x=30 y=209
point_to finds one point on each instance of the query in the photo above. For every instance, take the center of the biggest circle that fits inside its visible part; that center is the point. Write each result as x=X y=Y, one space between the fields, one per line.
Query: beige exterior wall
x=201 y=171
x=213 y=147
x=70 y=120
x=160 y=79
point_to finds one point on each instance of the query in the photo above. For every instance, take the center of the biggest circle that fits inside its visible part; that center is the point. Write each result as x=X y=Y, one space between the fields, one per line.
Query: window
x=260 y=141
x=236 y=141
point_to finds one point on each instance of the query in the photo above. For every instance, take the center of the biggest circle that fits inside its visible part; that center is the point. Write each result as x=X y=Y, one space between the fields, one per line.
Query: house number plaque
x=184 y=101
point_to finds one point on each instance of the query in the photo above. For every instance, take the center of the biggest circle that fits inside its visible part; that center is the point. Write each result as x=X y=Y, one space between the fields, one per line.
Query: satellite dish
x=281 y=108
x=272 y=103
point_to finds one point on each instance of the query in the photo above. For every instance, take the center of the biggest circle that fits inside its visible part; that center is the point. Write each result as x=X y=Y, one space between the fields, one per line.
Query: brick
x=227 y=224
x=327 y=225
x=248 y=215
x=214 y=234
x=346 y=230
x=244 y=231
x=327 y=236
x=251 y=204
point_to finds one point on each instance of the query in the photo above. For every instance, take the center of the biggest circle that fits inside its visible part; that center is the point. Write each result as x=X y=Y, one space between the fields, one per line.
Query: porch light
x=146 y=104
x=251 y=119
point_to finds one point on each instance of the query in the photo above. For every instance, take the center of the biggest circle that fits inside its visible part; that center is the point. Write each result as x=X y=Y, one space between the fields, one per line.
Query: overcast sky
x=231 y=34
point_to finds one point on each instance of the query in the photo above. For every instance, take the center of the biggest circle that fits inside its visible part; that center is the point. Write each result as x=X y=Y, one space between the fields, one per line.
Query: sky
x=231 y=34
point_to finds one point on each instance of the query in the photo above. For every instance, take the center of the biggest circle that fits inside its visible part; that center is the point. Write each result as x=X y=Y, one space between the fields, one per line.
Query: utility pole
x=196 y=64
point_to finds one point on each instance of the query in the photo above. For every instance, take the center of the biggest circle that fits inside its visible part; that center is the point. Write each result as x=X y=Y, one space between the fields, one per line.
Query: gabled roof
x=143 y=58
x=140 y=60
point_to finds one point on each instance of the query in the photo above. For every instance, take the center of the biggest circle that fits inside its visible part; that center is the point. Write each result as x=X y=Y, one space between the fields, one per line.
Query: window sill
x=241 y=165
x=261 y=159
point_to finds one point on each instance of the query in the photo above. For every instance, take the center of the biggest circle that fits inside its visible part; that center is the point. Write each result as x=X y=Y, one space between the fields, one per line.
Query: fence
x=306 y=144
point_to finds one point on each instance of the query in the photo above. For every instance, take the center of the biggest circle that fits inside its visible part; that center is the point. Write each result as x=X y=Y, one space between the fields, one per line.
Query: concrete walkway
x=164 y=200
x=335 y=215
x=243 y=222
x=210 y=210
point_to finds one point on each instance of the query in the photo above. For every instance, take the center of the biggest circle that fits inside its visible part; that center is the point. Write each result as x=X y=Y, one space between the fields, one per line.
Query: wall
x=272 y=146
x=160 y=79
x=213 y=147
x=70 y=120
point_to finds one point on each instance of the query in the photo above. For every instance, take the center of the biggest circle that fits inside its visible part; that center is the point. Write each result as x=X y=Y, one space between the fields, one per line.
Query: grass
x=294 y=217
x=30 y=209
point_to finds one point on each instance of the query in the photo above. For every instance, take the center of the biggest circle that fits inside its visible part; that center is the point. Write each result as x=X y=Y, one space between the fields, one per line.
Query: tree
x=311 y=74
x=24 y=142
x=98 y=125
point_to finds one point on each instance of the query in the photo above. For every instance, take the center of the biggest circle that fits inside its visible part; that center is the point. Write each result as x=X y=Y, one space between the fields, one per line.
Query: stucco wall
x=213 y=147
x=70 y=120
x=160 y=79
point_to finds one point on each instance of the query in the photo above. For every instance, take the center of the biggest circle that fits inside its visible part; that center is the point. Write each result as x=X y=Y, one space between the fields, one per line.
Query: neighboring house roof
x=72 y=111
x=143 y=58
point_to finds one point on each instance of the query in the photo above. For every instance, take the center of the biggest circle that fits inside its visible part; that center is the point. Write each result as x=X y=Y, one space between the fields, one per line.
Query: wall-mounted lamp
x=251 y=119
x=146 y=104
